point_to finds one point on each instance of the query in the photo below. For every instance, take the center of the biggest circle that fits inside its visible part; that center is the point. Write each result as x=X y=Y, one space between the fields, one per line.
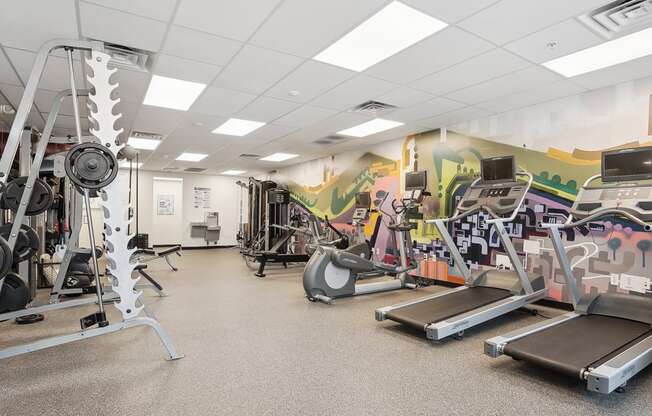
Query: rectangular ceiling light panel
x=370 y=127
x=125 y=164
x=392 y=29
x=234 y=172
x=143 y=144
x=173 y=93
x=278 y=157
x=191 y=157
x=238 y=127
x=614 y=52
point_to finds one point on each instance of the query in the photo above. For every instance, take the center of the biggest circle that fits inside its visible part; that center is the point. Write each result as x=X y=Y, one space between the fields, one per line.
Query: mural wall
x=598 y=250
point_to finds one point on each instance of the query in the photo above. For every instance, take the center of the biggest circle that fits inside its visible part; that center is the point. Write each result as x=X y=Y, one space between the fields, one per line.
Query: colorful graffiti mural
x=596 y=250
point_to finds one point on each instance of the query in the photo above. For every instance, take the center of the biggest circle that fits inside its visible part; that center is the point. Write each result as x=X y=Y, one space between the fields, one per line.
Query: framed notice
x=165 y=204
x=201 y=197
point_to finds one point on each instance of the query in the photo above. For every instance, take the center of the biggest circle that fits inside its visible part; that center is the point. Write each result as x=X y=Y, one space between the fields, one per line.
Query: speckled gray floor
x=257 y=347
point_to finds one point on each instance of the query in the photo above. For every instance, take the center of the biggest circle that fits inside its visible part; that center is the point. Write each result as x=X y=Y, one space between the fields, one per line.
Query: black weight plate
x=6 y=258
x=40 y=201
x=15 y=294
x=91 y=165
x=26 y=244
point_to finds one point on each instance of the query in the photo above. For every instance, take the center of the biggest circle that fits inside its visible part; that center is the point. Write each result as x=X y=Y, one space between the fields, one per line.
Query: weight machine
x=92 y=167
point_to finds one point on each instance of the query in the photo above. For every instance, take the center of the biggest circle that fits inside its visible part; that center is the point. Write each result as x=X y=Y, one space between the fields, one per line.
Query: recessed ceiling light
x=173 y=93
x=293 y=93
x=233 y=172
x=238 y=127
x=143 y=144
x=370 y=127
x=617 y=51
x=198 y=123
x=278 y=157
x=191 y=157
x=384 y=34
x=125 y=164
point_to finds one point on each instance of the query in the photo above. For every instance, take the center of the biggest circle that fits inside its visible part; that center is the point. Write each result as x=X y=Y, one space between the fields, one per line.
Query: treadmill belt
x=437 y=309
x=578 y=343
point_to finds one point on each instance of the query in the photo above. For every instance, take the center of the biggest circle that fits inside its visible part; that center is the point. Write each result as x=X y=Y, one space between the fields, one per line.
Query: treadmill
x=608 y=338
x=496 y=198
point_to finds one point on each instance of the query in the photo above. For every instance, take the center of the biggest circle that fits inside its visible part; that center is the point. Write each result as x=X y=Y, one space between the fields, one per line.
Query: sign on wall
x=165 y=204
x=201 y=197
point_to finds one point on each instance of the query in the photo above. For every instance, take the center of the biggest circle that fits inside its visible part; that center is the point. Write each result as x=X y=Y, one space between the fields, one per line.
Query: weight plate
x=26 y=244
x=40 y=201
x=6 y=258
x=15 y=294
x=91 y=165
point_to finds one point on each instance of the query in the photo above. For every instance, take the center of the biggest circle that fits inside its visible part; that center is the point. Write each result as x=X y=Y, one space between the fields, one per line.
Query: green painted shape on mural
x=443 y=152
x=555 y=183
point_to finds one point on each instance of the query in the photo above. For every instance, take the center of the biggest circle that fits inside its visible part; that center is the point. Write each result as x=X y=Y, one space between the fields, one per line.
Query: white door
x=167 y=224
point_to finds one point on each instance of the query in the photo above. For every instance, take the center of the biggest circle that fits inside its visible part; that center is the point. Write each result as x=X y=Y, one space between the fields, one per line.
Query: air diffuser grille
x=619 y=17
x=373 y=108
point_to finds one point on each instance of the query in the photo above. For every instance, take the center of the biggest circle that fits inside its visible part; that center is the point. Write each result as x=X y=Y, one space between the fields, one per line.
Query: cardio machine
x=608 y=338
x=486 y=294
x=332 y=273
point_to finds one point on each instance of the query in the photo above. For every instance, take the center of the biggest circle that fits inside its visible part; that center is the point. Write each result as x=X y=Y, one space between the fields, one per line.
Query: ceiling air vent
x=195 y=170
x=373 y=108
x=249 y=156
x=171 y=168
x=148 y=136
x=328 y=140
x=125 y=57
x=618 y=17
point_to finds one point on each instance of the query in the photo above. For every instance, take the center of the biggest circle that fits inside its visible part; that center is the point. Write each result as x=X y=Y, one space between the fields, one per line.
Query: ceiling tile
x=153 y=9
x=132 y=85
x=435 y=53
x=311 y=80
x=353 y=92
x=7 y=74
x=505 y=85
x=232 y=19
x=221 y=102
x=45 y=98
x=334 y=124
x=55 y=77
x=267 y=133
x=255 y=69
x=450 y=11
x=570 y=36
x=537 y=95
x=119 y=27
x=494 y=63
x=453 y=117
x=508 y=20
x=13 y=93
x=157 y=120
x=305 y=28
x=404 y=97
x=424 y=110
x=200 y=46
x=173 y=67
x=28 y=24
x=638 y=68
x=266 y=109
x=305 y=116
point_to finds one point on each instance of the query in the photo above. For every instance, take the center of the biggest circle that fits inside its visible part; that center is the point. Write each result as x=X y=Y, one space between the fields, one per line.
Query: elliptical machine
x=333 y=273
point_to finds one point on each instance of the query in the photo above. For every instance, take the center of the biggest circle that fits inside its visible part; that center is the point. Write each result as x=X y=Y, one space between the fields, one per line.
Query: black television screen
x=416 y=181
x=627 y=164
x=363 y=200
x=497 y=169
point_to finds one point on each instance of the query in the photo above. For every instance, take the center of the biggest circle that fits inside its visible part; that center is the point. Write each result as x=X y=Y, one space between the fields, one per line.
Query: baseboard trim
x=192 y=247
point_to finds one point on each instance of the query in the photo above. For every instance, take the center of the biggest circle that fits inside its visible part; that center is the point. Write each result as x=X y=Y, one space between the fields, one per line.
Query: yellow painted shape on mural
x=570 y=158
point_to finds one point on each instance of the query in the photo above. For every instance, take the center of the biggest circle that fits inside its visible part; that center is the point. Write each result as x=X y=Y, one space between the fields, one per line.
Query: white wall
x=224 y=199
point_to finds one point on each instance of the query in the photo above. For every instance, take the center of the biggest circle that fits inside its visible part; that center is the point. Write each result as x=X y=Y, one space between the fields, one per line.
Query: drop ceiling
x=255 y=56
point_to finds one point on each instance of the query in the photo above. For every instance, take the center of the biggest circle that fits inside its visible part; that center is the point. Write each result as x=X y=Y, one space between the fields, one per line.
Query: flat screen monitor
x=627 y=164
x=363 y=200
x=498 y=169
x=416 y=181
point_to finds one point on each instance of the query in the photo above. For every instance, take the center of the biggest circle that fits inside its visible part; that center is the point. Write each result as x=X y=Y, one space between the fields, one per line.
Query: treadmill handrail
x=518 y=206
x=595 y=216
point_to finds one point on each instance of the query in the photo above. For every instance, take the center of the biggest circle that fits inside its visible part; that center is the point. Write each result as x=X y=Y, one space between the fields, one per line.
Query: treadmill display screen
x=627 y=164
x=498 y=169
x=416 y=181
x=363 y=200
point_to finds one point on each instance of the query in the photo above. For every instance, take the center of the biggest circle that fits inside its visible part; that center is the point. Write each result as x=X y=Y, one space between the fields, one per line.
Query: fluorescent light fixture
x=614 y=52
x=233 y=172
x=191 y=157
x=278 y=157
x=238 y=127
x=125 y=164
x=384 y=34
x=370 y=127
x=143 y=144
x=163 y=178
x=173 y=93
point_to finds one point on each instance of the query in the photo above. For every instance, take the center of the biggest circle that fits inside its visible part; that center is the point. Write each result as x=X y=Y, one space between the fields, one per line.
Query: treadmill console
x=360 y=214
